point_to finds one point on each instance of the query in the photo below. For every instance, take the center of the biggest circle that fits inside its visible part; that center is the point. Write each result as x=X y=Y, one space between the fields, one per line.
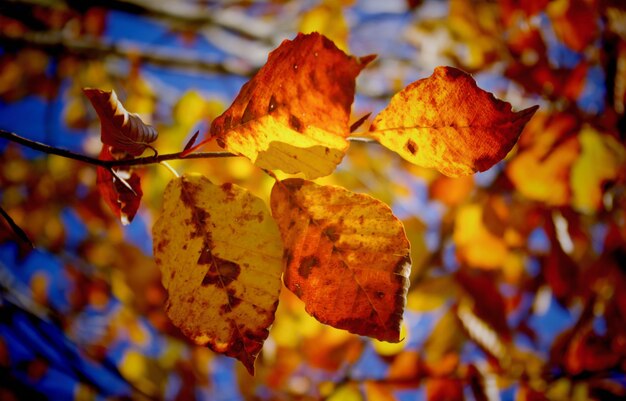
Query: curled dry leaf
x=122 y=130
x=447 y=122
x=219 y=252
x=294 y=114
x=347 y=256
x=121 y=199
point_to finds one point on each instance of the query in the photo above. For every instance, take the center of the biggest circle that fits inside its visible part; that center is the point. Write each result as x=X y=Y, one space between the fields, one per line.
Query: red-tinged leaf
x=123 y=201
x=448 y=123
x=477 y=383
x=444 y=389
x=347 y=257
x=488 y=303
x=355 y=125
x=561 y=274
x=574 y=22
x=122 y=130
x=191 y=141
x=294 y=114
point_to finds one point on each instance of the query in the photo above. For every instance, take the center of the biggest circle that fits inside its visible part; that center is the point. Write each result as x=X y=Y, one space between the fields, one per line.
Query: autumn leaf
x=347 y=256
x=445 y=121
x=294 y=114
x=219 y=252
x=472 y=237
x=601 y=160
x=541 y=169
x=123 y=198
x=122 y=130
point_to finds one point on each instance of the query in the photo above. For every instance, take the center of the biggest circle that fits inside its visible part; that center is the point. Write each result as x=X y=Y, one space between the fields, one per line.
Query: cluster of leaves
x=220 y=252
x=517 y=274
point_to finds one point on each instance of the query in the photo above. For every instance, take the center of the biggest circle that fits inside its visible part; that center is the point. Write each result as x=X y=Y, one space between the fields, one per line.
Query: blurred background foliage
x=519 y=275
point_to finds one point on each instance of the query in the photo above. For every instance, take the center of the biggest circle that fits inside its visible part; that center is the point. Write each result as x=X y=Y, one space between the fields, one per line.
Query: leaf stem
x=170 y=168
x=108 y=163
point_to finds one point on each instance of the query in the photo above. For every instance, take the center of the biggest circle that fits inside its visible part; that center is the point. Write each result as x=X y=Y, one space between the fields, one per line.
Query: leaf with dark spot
x=307 y=88
x=347 y=256
x=203 y=246
x=447 y=122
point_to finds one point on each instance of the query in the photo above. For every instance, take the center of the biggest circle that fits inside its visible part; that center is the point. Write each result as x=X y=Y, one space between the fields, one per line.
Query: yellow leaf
x=541 y=168
x=476 y=245
x=431 y=293
x=220 y=257
x=327 y=19
x=386 y=348
x=347 y=392
x=601 y=159
x=447 y=122
x=347 y=256
x=445 y=341
x=189 y=109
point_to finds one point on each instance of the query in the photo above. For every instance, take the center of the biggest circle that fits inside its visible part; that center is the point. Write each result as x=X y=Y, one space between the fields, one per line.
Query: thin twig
x=140 y=161
x=108 y=163
x=16 y=229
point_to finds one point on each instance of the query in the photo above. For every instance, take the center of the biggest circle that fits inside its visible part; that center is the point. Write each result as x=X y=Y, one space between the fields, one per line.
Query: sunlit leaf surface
x=294 y=114
x=220 y=257
x=347 y=256
x=446 y=122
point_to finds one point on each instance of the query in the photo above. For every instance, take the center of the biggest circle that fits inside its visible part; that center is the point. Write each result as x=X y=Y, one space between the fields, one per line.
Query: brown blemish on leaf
x=162 y=244
x=221 y=272
x=411 y=146
x=380 y=294
x=307 y=264
x=210 y=278
x=272 y=105
x=295 y=123
x=248 y=114
x=233 y=299
x=233 y=302
x=331 y=233
x=293 y=184
x=298 y=290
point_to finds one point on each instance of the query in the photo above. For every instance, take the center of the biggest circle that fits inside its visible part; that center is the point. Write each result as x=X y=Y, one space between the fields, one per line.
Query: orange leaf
x=444 y=389
x=122 y=130
x=294 y=114
x=347 y=256
x=122 y=201
x=445 y=121
x=542 y=168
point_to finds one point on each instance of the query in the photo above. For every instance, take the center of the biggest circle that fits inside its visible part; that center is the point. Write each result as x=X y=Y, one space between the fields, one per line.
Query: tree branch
x=56 y=43
x=108 y=163
x=16 y=229
x=140 y=161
